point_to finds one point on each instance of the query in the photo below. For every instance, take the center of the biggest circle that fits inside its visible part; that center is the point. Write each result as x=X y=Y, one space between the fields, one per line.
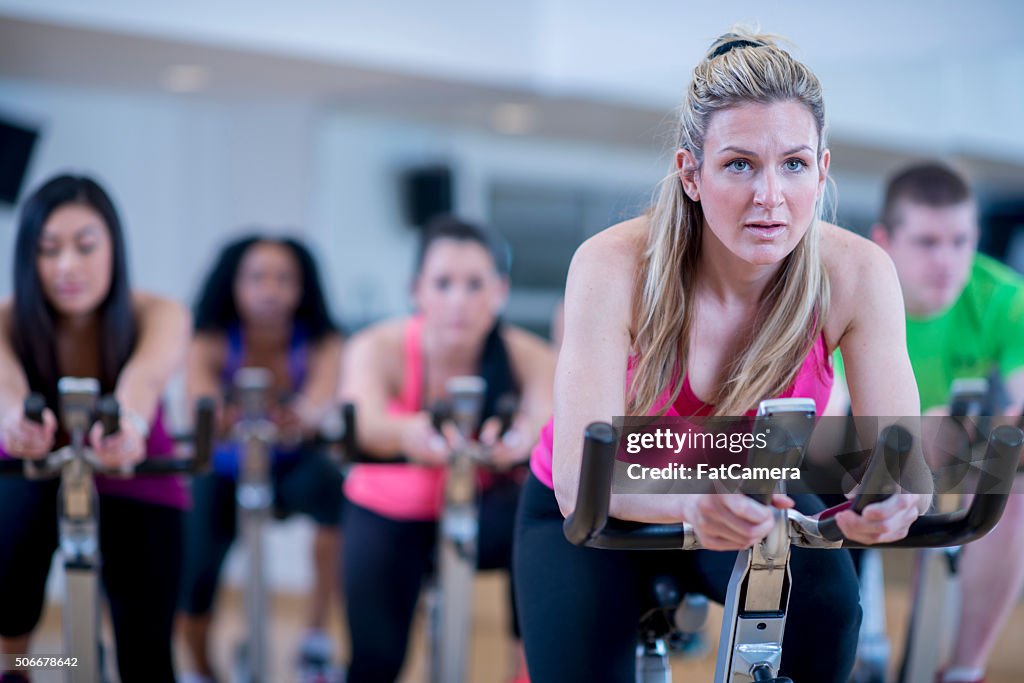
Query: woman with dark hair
x=393 y=371
x=262 y=305
x=73 y=313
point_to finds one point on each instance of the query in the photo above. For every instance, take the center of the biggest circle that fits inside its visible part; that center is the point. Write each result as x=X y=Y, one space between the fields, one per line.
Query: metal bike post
x=79 y=533
x=458 y=534
x=79 y=544
x=254 y=498
x=935 y=613
x=752 y=632
x=873 y=649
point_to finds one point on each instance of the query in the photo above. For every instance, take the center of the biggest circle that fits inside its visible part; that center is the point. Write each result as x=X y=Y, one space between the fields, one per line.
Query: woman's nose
x=768 y=191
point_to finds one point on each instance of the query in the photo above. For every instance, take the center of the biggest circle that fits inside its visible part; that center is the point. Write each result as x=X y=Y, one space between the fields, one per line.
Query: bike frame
x=254 y=498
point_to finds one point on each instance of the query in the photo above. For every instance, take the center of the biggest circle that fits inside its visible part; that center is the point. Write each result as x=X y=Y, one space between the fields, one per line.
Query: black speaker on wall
x=426 y=192
x=16 y=144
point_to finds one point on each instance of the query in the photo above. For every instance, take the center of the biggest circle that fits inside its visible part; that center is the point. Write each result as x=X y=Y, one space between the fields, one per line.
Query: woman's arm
x=13 y=385
x=163 y=329
x=318 y=393
x=19 y=436
x=591 y=370
x=869 y=304
x=163 y=335
x=366 y=369
x=533 y=362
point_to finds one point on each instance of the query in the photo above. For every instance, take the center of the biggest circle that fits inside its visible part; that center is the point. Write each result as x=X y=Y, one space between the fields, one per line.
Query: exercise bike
x=937 y=595
x=750 y=647
x=76 y=464
x=448 y=596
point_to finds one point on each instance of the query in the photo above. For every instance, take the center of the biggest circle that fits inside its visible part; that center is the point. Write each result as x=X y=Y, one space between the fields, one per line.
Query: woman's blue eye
x=795 y=164
x=739 y=164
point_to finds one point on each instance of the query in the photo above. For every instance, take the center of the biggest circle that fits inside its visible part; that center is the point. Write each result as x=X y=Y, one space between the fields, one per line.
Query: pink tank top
x=813 y=380
x=404 y=492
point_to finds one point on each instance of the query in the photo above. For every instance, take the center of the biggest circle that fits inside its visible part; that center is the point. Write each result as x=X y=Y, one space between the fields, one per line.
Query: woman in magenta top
x=394 y=371
x=729 y=291
x=74 y=314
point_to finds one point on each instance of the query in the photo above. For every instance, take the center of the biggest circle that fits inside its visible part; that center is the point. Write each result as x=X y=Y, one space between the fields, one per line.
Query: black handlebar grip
x=593 y=496
x=206 y=409
x=440 y=411
x=349 y=439
x=109 y=414
x=881 y=479
x=888 y=460
x=507 y=407
x=35 y=404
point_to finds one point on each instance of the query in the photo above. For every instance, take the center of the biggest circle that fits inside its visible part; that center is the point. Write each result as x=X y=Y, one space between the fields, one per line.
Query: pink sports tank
x=813 y=380
x=404 y=492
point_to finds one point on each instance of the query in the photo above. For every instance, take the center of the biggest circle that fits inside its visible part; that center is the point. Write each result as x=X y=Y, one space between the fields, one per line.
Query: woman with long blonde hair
x=729 y=291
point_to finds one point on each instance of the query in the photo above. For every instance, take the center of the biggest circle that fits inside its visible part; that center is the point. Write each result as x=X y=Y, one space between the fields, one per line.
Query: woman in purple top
x=263 y=305
x=74 y=314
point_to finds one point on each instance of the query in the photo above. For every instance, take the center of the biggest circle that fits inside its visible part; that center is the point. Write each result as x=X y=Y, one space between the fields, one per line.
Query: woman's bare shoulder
x=383 y=337
x=856 y=266
x=520 y=340
x=158 y=307
x=621 y=244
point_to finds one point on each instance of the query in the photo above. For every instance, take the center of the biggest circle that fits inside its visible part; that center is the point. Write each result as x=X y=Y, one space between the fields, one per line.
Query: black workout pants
x=579 y=607
x=310 y=485
x=385 y=563
x=140 y=544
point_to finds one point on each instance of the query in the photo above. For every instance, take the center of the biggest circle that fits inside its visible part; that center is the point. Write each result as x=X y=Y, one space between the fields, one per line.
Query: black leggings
x=386 y=561
x=580 y=607
x=140 y=544
x=310 y=485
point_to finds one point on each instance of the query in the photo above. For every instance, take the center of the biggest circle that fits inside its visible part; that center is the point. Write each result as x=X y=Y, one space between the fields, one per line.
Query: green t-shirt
x=981 y=332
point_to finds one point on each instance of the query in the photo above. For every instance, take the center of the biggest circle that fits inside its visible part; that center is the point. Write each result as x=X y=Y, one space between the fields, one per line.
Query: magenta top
x=813 y=380
x=167 y=490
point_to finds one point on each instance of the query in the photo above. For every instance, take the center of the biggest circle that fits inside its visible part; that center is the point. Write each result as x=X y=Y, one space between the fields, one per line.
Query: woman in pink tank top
x=74 y=314
x=730 y=290
x=393 y=371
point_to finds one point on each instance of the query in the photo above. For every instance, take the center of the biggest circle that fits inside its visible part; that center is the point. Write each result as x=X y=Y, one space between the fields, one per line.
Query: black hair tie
x=732 y=45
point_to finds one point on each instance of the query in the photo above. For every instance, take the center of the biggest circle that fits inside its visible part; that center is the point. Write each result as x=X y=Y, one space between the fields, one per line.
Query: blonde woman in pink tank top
x=730 y=290
x=393 y=372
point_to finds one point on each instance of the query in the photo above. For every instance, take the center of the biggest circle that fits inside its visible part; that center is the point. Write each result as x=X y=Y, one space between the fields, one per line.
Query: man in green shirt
x=965 y=318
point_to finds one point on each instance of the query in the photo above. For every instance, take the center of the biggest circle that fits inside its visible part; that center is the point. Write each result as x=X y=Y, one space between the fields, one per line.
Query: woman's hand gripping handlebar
x=103 y=427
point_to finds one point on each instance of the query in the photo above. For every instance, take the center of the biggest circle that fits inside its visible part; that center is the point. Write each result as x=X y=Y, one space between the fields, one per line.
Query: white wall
x=939 y=71
x=182 y=172
x=357 y=212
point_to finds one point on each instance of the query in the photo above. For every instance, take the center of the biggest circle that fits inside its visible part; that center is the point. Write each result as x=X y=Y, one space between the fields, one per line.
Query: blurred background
x=349 y=124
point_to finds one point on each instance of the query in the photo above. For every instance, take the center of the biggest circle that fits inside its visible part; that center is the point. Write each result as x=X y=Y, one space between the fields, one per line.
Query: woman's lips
x=68 y=291
x=766 y=230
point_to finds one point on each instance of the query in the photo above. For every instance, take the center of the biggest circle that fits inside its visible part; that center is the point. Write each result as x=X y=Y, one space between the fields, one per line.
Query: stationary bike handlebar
x=108 y=414
x=440 y=411
x=590 y=525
